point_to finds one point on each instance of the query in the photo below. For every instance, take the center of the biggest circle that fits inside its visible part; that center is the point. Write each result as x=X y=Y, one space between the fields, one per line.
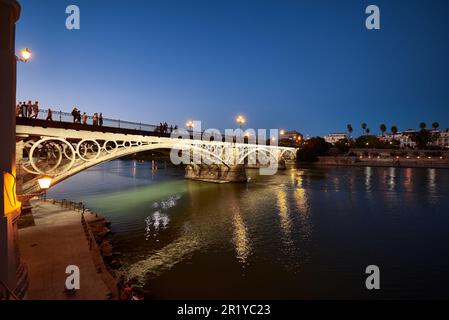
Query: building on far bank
x=405 y=138
x=292 y=135
x=332 y=138
x=443 y=140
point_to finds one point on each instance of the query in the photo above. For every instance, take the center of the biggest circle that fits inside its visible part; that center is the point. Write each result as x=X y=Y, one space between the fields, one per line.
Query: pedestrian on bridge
x=35 y=109
x=29 y=109
x=49 y=115
x=24 y=110
x=95 y=119
x=19 y=109
x=75 y=114
x=84 y=118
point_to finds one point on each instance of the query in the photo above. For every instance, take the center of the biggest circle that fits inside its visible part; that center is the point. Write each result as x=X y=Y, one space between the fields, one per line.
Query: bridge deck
x=87 y=127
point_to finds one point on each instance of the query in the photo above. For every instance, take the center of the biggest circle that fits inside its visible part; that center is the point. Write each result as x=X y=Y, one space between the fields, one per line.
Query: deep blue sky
x=305 y=65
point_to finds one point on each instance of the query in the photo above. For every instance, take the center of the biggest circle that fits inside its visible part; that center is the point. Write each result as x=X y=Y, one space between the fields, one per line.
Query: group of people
x=97 y=119
x=31 y=110
x=163 y=128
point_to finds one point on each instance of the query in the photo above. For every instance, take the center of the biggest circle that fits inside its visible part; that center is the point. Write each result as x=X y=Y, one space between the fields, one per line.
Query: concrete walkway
x=56 y=241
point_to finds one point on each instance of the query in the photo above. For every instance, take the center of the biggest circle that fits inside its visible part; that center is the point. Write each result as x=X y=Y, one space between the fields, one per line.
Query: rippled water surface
x=303 y=233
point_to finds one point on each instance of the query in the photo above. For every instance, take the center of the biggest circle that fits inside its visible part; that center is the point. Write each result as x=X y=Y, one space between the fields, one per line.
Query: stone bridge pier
x=218 y=173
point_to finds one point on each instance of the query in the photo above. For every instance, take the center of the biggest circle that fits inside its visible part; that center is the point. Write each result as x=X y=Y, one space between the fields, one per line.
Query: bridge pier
x=216 y=173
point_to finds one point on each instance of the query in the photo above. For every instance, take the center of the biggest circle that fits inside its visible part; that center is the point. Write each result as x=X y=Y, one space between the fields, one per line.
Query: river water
x=300 y=234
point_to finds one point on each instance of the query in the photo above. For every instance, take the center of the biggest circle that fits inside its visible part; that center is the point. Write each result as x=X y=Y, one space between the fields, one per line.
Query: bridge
x=61 y=149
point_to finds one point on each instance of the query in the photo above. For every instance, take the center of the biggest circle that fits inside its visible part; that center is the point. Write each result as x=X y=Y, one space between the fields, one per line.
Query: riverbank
x=367 y=161
x=59 y=237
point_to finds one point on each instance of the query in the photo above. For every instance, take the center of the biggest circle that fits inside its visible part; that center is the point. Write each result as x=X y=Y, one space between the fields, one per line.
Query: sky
x=309 y=65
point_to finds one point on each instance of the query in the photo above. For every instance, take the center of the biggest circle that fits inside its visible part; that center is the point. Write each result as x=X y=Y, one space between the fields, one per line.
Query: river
x=300 y=234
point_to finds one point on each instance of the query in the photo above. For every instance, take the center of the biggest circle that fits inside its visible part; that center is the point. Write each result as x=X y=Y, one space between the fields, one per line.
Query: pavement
x=56 y=241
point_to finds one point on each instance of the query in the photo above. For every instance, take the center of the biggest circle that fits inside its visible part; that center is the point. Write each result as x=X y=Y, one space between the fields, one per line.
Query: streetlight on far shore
x=281 y=132
x=25 y=55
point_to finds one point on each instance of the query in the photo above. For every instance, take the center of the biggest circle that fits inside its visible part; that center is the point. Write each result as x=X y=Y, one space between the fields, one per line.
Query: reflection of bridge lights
x=45 y=182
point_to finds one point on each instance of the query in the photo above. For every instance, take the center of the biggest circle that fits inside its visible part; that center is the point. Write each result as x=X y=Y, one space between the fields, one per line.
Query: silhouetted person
x=35 y=109
x=49 y=115
x=75 y=114
x=29 y=109
x=84 y=118
x=24 y=110
x=100 y=119
x=78 y=116
x=19 y=109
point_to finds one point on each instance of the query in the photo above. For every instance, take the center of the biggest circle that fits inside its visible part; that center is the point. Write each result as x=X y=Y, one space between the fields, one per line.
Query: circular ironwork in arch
x=108 y=149
x=88 y=148
x=48 y=145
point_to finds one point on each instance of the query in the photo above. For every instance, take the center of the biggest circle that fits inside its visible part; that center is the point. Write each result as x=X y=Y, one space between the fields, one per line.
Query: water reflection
x=408 y=179
x=368 y=177
x=392 y=179
x=283 y=215
x=285 y=227
x=241 y=241
x=431 y=186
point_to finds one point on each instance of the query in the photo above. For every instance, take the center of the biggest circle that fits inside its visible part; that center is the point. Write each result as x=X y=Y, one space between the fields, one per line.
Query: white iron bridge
x=62 y=149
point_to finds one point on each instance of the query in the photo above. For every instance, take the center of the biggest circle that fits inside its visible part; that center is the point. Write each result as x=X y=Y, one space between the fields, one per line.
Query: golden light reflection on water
x=241 y=240
x=283 y=213
x=368 y=178
x=408 y=183
x=303 y=206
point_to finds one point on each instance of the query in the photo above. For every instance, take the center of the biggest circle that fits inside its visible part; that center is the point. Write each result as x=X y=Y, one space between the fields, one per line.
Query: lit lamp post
x=190 y=125
x=10 y=264
x=25 y=55
x=241 y=121
x=45 y=184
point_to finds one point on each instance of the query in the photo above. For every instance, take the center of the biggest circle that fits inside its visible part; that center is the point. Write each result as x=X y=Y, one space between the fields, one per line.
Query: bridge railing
x=62 y=116
x=66 y=117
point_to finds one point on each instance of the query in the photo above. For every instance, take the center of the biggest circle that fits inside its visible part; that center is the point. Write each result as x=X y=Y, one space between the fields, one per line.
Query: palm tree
x=364 y=126
x=394 y=130
x=422 y=125
x=349 y=127
x=435 y=126
x=383 y=128
x=367 y=130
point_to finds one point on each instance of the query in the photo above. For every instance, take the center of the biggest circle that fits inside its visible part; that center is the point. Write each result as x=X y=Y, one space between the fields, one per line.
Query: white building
x=405 y=138
x=443 y=140
x=332 y=138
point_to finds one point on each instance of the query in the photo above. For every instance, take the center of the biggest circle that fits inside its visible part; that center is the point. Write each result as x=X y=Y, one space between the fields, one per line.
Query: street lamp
x=190 y=124
x=240 y=120
x=25 y=55
x=282 y=132
x=45 y=183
